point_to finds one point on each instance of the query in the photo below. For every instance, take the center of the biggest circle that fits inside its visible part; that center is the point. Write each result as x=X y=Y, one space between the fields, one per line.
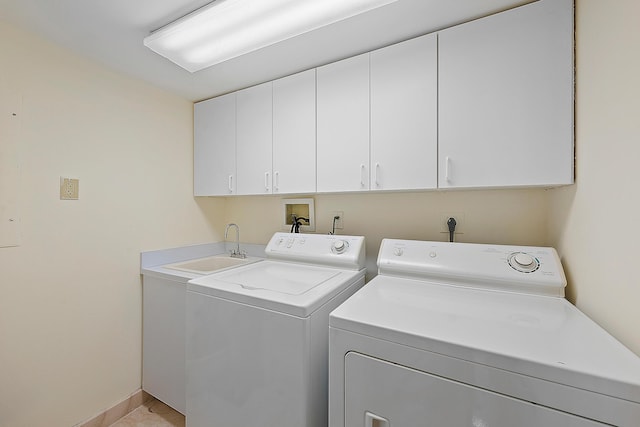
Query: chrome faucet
x=235 y=253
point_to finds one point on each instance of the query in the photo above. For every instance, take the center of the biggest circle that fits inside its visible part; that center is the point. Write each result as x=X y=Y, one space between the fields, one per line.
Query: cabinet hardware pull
x=376 y=174
x=373 y=420
x=266 y=181
x=230 y=183
x=362 y=175
x=447 y=169
x=276 y=180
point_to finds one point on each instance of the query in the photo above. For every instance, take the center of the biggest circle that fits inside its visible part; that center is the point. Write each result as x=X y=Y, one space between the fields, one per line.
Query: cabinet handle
x=362 y=175
x=372 y=420
x=447 y=169
x=230 y=183
x=276 y=180
x=377 y=168
x=266 y=181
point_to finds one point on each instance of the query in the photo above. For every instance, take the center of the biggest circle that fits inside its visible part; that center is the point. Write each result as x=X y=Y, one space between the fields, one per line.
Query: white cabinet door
x=163 y=340
x=294 y=133
x=506 y=98
x=214 y=148
x=404 y=103
x=254 y=138
x=343 y=125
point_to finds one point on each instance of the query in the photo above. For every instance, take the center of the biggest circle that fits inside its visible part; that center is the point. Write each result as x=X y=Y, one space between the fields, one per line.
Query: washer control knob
x=398 y=251
x=523 y=260
x=339 y=246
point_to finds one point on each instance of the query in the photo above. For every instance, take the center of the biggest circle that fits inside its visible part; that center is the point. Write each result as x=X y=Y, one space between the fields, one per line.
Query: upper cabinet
x=260 y=140
x=276 y=136
x=377 y=119
x=214 y=148
x=404 y=114
x=506 y=99
x=294 y=133
x=343 y=125
x=488 y=103
x=254 y=139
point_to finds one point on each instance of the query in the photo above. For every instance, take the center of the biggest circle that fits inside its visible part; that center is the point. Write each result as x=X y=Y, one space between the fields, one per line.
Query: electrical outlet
x=460 y=222
x=69 y=188
x=338 y=222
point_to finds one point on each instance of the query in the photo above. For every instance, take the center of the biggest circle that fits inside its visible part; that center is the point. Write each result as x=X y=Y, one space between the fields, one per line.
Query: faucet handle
x=234 y=253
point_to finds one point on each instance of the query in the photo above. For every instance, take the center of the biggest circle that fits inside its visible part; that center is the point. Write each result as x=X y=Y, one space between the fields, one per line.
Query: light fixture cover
x=225 y=29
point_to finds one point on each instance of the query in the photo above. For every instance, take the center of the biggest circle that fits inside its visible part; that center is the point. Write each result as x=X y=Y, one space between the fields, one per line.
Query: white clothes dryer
x=454 y=334
x=257 y=335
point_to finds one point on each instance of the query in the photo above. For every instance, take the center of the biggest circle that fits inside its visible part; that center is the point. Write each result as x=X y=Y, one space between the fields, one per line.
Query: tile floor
x=152 y=413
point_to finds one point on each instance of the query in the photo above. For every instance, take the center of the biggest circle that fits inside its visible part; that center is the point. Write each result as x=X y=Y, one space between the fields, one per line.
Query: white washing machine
x=257 y=335
x=454 y=334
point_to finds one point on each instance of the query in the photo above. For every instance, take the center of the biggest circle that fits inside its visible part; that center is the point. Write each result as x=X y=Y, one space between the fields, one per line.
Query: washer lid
x=296 y=289
x=542 y=337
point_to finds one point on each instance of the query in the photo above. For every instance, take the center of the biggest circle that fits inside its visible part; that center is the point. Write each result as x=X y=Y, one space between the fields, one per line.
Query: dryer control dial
x=339 y=246
x=523 y=262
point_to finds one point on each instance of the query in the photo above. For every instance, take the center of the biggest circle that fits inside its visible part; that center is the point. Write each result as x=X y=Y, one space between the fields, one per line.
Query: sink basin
x=211 y=264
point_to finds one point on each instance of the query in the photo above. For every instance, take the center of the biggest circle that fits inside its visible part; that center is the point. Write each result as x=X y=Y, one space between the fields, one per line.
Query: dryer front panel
x=383 y=394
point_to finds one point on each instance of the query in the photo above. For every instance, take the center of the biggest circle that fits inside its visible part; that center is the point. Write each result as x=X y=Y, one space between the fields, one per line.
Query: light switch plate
x=69 y=188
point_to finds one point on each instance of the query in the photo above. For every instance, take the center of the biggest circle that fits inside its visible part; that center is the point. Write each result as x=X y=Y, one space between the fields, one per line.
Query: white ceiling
x=111 y=32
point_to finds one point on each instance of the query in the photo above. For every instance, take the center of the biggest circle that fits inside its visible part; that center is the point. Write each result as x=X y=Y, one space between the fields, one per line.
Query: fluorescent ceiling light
x=225 y=29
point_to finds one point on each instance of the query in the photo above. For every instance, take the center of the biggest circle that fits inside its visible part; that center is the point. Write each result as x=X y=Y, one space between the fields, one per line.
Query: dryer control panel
x=323 y=249
x=525 y=269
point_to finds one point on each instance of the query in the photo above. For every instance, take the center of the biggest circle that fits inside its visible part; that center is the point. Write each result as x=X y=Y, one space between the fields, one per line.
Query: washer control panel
x=331 y=250
x=526 y=269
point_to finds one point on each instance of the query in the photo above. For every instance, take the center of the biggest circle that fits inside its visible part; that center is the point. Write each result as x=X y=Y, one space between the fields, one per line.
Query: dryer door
x=381 y=394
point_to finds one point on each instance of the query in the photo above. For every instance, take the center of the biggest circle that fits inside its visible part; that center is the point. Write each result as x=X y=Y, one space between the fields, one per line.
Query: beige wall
x=70 y=295
x=594 y=224
x=496 y=216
